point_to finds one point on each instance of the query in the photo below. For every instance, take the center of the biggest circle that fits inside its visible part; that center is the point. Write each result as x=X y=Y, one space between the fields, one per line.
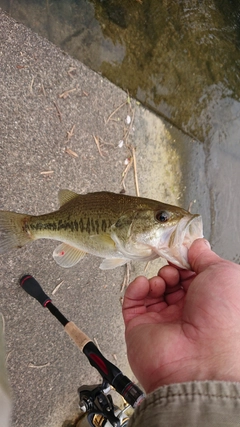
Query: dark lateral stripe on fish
x=104 y=225
x=89 y=226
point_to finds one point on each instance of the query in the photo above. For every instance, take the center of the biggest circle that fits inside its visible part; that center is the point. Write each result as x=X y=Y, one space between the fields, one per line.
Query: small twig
x=70 y=152
x=65 y=94
x=70 y=133
x=135 y=170
x=58 y=111
x=57 y=287
x=130 y=125
x=96 y=139
x=31 y=365
x=125 y=172
x=132 y=151
x=71 y=72
x=106 y=143
x=31 y=85
x=114 y=356
x=46 y=172
x=118 y=108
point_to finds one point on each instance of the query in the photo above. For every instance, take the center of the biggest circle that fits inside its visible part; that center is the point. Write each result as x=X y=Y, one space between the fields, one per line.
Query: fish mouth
x=188 y=229
x=180 y=239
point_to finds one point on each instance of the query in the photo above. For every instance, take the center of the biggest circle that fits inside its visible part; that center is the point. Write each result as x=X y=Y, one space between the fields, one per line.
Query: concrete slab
x=44 y=366
x=53 y=112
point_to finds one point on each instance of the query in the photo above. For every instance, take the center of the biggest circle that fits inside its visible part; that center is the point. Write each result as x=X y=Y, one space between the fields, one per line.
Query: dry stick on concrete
x=65 y=94
x=71 y=72
x=96 y=139
x=46 y=173
x=70 y=133
x=125 y=172
x=68 y=150
x=58 y=111
x=114 y=112
x=31 y=365
x=57 y=287
x=105 y=143
x=31 y=85
x=114 y=357
x=132 y=150
x=71 y=152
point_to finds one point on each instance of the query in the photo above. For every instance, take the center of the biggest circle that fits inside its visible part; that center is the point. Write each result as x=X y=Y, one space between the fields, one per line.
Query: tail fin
x=13 y=231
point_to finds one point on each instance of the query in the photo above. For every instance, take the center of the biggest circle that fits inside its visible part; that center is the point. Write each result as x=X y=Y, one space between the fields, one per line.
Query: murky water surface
x=179 y=58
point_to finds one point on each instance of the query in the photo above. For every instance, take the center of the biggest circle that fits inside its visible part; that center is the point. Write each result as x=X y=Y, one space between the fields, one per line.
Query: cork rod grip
x=77 y=335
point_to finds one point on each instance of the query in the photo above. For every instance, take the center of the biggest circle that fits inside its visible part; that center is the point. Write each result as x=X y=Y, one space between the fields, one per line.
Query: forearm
x=193 y=404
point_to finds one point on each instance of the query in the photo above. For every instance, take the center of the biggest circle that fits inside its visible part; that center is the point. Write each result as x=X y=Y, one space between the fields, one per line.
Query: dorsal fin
x=65 y=196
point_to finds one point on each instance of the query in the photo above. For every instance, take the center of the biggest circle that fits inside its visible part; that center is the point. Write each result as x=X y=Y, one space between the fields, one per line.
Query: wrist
x=220 y=366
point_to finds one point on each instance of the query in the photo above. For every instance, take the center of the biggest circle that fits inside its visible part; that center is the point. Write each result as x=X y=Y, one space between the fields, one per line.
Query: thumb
x=200 y=256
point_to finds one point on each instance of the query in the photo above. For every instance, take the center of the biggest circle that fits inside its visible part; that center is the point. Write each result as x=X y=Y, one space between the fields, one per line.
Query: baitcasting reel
x=96 y=401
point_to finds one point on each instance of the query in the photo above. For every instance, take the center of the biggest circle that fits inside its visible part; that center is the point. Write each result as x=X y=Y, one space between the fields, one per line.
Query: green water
x=176 y=57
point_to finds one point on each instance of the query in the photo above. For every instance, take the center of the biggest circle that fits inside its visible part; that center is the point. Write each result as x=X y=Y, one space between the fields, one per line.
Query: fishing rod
x=93 y=399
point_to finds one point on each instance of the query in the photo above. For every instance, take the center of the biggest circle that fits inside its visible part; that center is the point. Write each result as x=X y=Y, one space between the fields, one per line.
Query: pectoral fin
x=66 y=256
x=104 y=241
x=110 y=263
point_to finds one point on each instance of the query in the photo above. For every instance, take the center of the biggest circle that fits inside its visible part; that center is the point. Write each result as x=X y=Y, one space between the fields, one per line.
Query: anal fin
x=67 y=256
x=110 y=263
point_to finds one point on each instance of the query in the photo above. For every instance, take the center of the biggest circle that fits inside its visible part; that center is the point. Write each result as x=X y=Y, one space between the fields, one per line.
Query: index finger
x=141 y=293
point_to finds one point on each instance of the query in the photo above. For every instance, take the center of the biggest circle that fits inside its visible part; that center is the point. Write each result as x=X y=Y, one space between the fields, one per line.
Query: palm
x=177 y=324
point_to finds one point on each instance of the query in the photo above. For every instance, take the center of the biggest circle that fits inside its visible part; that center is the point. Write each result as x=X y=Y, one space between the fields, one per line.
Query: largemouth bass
x=113 y=226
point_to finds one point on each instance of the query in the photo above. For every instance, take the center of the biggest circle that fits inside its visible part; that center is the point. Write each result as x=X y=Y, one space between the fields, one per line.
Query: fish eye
x=162 y=216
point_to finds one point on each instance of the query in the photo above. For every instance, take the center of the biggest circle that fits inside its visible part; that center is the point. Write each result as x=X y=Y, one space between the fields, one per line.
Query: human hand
x=185 y=325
